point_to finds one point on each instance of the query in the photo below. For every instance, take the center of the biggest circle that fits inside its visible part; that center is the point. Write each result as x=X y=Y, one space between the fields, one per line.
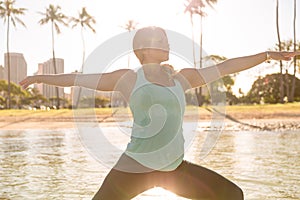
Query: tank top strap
x=141 y=79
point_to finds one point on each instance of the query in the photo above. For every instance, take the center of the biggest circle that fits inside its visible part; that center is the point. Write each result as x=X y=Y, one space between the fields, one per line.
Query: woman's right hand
x=28 y=81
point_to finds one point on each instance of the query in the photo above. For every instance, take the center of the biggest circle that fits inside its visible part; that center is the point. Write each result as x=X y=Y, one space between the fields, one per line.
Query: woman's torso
x=156 y=141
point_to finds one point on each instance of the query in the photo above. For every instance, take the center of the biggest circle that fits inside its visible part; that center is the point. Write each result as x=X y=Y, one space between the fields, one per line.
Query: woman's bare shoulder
x=125 y=82
x=127 y=73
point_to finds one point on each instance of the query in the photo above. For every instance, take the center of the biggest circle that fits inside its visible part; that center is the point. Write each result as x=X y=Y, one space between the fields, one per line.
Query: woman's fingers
x=22 y=82
x=26 y=82
x=287 y=56
x=291 y=54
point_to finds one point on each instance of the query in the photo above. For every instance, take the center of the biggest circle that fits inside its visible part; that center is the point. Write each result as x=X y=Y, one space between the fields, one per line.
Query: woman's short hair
x=149 y=37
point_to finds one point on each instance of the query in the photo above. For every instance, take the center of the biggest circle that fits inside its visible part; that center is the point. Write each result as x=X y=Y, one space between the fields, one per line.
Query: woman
x=154 y=156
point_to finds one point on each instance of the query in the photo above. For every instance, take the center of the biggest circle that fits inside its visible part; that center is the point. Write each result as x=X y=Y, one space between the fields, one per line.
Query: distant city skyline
x=233 y=28
x=18 y=67
x=18 y=71
x=1 y=72
x=46 y=67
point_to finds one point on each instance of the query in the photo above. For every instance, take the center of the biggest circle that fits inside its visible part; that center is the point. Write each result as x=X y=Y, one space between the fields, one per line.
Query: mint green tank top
x=157 y=137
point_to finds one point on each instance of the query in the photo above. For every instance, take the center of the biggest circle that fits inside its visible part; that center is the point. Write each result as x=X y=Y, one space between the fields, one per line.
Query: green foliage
x=20 y=97
x=266 y=89
x=223 y=87
x=97 y=102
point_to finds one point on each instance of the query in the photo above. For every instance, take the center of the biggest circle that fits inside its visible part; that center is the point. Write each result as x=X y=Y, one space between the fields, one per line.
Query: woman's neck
x=150 y=61
x=152 y=67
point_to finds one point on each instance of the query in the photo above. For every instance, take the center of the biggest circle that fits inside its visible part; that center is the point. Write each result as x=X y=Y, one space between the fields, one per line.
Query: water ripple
x=44 y=164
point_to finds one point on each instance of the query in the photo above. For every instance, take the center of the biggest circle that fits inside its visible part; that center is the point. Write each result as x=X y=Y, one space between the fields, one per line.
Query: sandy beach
x=264 y=119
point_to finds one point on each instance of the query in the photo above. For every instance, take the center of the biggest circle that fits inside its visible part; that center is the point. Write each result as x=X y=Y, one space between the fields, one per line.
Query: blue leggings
x=187 y=180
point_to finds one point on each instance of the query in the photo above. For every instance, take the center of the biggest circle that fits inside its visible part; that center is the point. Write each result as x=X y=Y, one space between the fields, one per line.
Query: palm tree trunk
x=287 y=83
x=82 y=65
x=83 y=49
x=54 y=67
x=199 y=93
x=128 y=61
x=281 y=89
x=193 y=41
x=194 y=57
x=201 y=40
x=8 y=65
x=292 y=94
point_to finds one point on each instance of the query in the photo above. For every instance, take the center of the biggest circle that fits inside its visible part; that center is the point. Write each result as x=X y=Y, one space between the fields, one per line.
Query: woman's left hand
x=283 y=55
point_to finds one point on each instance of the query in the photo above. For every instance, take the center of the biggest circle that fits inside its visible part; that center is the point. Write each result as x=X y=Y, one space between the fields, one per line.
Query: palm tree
x=54 y=16
x=291 y=99
x=84 y=20
x=288 y=45
x=281 y=89
x=9 y=13
x=197 y=7
x=130 y=26
x=193 y=35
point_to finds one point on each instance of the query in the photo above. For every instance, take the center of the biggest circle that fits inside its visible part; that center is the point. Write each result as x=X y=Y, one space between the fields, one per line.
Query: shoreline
x=261 y=122
x=243 y=117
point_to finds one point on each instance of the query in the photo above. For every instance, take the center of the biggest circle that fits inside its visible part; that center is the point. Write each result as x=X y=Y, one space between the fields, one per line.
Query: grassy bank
x=238 y=111
x=289 y=110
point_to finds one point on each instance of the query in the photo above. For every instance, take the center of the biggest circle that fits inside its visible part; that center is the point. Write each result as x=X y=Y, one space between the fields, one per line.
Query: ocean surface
x=58 y=164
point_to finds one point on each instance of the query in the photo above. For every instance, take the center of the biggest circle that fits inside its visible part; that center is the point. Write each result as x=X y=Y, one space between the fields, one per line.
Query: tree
x=34 y=98
x=54 y=16
x=281 y=90
x=19 y=96
x=288 y=45
x=130 y=26
x=291 y=98
x=198 y=7
x=84 y=20
x=225 y=82
x=10 y=14
x=266 y=89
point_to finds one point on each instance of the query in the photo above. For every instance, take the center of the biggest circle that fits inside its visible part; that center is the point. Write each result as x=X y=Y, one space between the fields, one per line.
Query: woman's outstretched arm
x=103 y=82
x=199 y=77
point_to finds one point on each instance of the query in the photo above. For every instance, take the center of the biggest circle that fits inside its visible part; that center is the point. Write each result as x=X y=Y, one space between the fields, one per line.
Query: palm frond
x=7 y=10
x=198 y=6
x=90 y=27
x=20 y=21
x=13 y=21
x=84 y=19
x=130 y=25
x=57 y=28
x=43 y=21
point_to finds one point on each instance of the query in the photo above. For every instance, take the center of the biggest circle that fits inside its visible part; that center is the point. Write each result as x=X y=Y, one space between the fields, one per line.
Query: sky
x=232 y=28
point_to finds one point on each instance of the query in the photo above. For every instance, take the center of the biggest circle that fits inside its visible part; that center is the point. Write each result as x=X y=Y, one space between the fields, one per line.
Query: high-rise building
x=75 y=94
x=47 y=67
x=18 y=67
x=1 y=72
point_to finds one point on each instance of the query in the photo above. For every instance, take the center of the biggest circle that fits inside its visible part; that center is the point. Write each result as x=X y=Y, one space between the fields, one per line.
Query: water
x=53 y=164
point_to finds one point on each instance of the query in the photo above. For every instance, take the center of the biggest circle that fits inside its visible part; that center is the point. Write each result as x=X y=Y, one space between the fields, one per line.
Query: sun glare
x=158 y=193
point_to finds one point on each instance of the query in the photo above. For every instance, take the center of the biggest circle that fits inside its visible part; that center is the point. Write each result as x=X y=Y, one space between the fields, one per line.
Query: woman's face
x=153 y=44
x=159 y=47
x=158 y=55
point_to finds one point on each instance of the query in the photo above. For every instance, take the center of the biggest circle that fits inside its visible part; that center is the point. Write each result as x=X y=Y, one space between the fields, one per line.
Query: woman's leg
x=196 y=182
x=127 y=180
x=120 y=185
